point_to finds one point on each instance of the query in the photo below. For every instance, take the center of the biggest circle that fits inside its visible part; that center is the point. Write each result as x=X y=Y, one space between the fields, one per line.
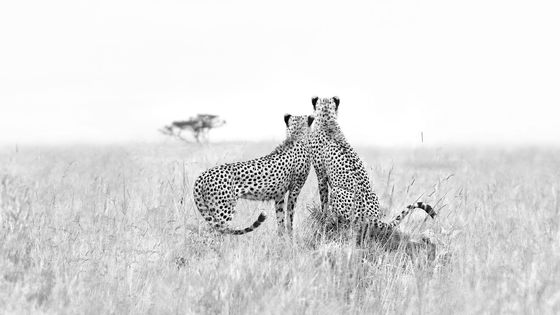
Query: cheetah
x=344 y=186
x=270 y=177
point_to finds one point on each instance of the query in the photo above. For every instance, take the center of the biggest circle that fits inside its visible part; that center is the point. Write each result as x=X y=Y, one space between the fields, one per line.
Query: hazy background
x=112 y=71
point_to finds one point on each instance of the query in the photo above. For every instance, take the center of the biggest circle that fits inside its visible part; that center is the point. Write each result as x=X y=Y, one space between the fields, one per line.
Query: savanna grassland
x=94 y=230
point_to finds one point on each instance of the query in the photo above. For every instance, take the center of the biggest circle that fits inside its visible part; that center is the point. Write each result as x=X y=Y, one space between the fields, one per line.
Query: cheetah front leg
x=279 y=205
x=292 y=198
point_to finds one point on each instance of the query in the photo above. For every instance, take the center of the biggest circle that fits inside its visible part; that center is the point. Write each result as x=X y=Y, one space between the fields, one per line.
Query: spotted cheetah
x=344 y=185
x=270 y=177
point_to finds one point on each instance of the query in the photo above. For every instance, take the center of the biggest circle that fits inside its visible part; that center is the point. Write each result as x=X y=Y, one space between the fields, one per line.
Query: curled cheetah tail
x=380 y=225
x=409 y=208
x=255 y=225
x=426 y=207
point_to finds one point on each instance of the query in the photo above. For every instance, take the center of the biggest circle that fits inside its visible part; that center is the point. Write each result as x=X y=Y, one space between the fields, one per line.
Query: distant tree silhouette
x=199 y=125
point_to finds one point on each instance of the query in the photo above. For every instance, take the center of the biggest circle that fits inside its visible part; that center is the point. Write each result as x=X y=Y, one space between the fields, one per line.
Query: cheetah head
x=297 y=126
x=326 y=108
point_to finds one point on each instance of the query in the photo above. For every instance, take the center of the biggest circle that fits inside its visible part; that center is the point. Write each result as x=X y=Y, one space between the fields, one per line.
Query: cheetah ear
x=336 y=100
x=310 y=120
x=314 y=100
x=287 y=119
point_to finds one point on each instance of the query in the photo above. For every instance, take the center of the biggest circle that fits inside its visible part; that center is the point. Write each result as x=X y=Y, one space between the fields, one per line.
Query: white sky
x=106 y=71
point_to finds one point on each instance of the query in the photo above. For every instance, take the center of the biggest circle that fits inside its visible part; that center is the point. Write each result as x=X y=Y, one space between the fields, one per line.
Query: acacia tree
x=198 y=125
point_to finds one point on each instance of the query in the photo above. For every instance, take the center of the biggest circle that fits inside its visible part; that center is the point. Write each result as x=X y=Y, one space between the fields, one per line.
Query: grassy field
x=98 y=230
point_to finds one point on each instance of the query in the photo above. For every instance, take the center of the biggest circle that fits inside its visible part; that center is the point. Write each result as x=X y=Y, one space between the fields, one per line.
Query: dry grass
x=114 y=230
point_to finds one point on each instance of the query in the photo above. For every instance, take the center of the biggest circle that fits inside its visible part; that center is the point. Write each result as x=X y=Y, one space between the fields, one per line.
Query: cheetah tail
x=426 y=207
x=255 y=225
x=379 y=225
x=420 y=205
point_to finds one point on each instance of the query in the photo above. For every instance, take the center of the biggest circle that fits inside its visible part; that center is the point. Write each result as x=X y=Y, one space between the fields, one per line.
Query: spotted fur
x=270 y=177
x=344 y=185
